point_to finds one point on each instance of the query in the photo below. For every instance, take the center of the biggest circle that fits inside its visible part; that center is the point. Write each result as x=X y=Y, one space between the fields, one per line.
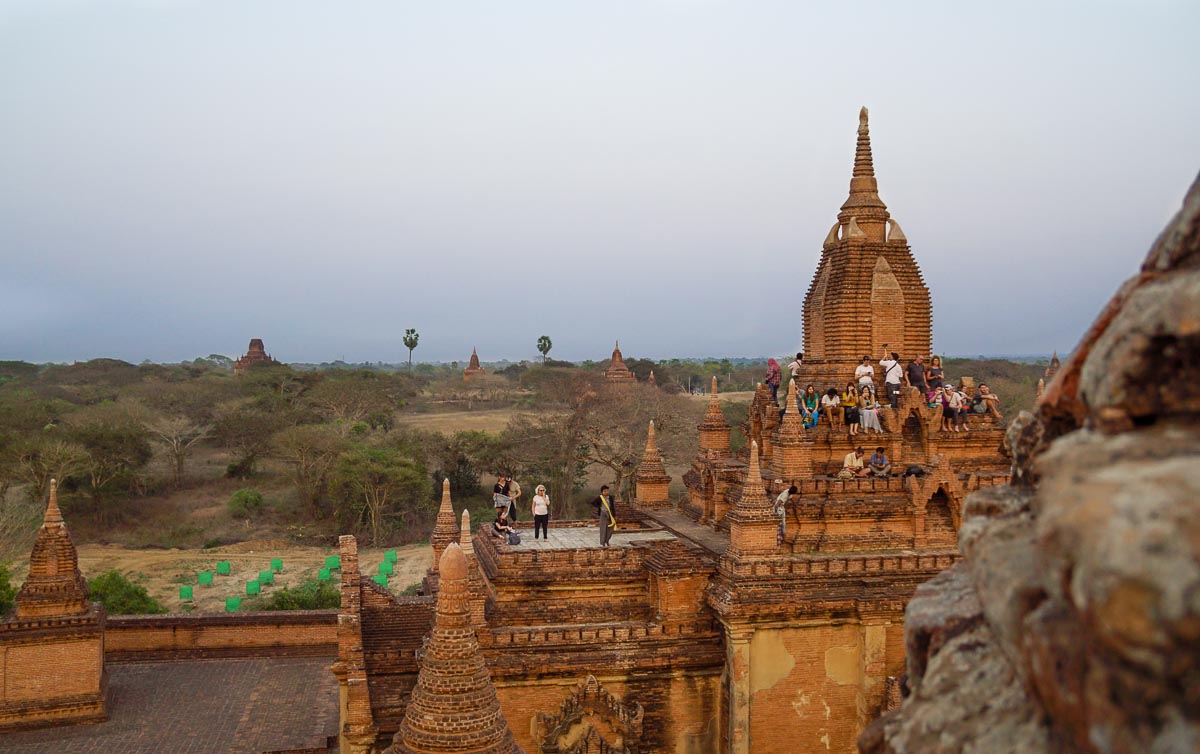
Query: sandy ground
x=742 y=396
x=490 y=420
x=162 y=572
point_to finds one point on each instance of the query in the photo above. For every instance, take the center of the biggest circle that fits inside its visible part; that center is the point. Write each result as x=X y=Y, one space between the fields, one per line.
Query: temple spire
x=53 y=514
x=464 y=537
x=445 y=529
x=864 y=204
x=453 y=708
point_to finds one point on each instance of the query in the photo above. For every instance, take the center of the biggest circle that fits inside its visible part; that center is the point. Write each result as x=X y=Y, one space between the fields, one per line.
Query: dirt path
x=162 y=572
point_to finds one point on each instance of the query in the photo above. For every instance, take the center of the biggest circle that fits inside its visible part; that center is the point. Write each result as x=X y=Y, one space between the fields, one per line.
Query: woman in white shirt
x=541 y=512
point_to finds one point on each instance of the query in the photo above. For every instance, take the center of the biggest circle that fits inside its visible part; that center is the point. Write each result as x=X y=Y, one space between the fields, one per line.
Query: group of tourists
x=506 y=495
x=856 y=407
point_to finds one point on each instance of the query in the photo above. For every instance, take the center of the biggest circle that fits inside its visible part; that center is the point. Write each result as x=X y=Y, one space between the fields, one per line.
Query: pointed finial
x=862 y=117
x=1041 y=387
x=53 y=514
x=650 y=443
x=754 y=467
x=792 y=402
x=854 y=231
x=446 y=504
x=714 y=387
x=464 y=537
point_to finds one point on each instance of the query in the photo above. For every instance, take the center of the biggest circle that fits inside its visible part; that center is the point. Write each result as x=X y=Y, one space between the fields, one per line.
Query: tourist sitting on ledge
x=501 y=527
x=868 y=411
x=952 y=409
x=986 y=402
x=853 y=466
x=808 y=407
x=830 y=405
x=878 y=464
x=964 y=408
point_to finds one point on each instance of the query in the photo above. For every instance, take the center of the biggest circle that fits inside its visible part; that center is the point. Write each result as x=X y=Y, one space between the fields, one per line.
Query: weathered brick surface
x=162 y=638
x=241 y=706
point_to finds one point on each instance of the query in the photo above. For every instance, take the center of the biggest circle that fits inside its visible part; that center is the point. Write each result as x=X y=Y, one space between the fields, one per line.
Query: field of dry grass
x=162 y=572
x=449 y=422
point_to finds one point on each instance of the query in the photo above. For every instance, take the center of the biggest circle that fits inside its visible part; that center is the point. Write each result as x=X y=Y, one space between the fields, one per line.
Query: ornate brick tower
x=651 y=479
x=52 y=649
x=617 y=371
x=473 y=367
x=867 y=290
x=454 y=707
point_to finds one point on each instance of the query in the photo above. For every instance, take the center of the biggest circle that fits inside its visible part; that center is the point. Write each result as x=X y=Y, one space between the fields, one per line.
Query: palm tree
x=544 y=345
x=410 y=340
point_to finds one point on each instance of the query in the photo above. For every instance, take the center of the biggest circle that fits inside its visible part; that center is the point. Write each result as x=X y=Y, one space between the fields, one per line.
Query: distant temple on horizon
x=617 y=371
x=256 y=354
x=473 y=367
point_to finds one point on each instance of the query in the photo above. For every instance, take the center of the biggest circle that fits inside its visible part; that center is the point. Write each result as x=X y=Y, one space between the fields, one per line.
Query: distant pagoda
x=617 y=371
x=473 y=367
x=255 y=354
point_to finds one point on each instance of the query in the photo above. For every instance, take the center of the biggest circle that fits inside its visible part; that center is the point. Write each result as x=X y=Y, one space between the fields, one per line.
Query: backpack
x=514 y=538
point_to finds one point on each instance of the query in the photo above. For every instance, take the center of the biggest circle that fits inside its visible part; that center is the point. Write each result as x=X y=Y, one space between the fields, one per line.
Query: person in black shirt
x=606 y=509
x=914 y=375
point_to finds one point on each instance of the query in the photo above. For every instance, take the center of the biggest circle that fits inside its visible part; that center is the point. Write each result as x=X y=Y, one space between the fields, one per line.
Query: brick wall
x=158 y=638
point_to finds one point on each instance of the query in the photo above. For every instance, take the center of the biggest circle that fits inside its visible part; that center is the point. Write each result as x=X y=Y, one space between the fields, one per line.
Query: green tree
x=120 y=596
x=311 y=595
x=117 y=448
x=378 y=486
x=177 y=435
x=411 y=338
x=245 y=503
x=544 y=345
x=8 y=592
x=310 y=449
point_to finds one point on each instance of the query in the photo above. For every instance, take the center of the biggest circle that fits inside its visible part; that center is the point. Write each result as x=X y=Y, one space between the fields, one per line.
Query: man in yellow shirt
x=854 y=466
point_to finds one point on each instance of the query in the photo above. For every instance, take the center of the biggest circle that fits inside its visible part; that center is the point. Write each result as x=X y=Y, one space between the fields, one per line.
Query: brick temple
x=473 y=367
x=255 y=354
x=699 y=631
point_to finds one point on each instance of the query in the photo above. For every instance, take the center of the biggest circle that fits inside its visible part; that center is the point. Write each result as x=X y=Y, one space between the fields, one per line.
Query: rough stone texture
x=1086 y=569
x=255 y=354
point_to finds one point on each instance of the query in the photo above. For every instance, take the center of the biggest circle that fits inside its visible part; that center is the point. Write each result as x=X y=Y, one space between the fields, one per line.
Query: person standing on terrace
x=893 y=374
x=606 y=510
x=541 y=512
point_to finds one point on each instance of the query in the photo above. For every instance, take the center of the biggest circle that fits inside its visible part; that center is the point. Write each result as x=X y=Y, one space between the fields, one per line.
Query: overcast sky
x=178 y=177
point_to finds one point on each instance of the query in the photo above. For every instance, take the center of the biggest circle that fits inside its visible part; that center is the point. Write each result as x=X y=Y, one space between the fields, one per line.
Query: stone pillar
x=737 y=648
x=873 y=671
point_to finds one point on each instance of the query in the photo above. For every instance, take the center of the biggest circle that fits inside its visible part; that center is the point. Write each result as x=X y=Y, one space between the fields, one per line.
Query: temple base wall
x=807 y=682
x=52 y=672
x=682 y=710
